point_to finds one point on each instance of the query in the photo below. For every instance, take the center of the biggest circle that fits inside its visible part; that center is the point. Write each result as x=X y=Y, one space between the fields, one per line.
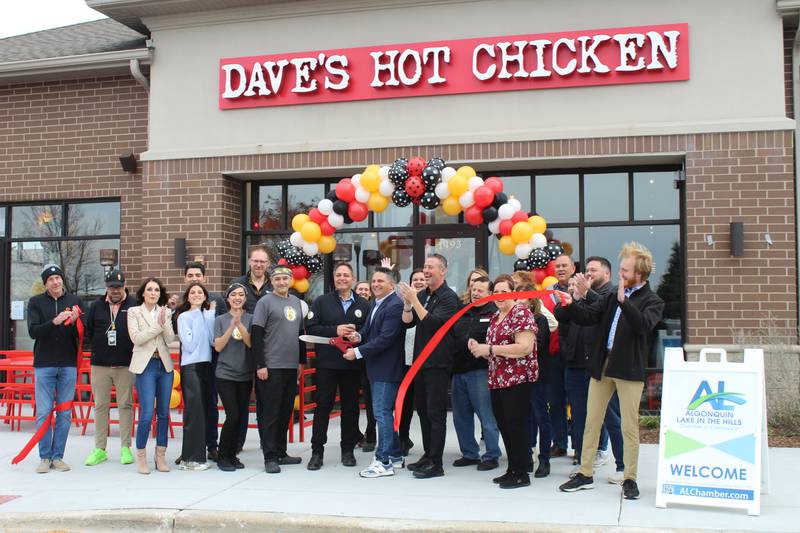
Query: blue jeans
x=471 y=397
x=54 y=385
x=539 y=421
x=558 y=402
x=384 y=394
x=154 y=386
x=613 y=425
x=576 y=381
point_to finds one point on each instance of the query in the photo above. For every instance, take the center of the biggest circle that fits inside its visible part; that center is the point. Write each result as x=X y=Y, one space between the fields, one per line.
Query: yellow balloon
x=371 y=169
x=298 y=221
x=176 y=379
x=377 y=202
x=300 y=285
x=538 y=224
x=371 y=181
x=521 y=232
x=507 y=245
x=549 y=280
x=326 y=244
x=458 y=185
x=310 y=231
x=451 y=206
x=291 y=283
x=174 y=399
x=465 y=172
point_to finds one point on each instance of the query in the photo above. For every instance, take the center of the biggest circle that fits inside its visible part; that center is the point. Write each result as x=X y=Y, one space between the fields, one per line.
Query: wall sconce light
x=737 y=239
x=709 y=239
x=180 y=252
x=128 y=162
x=768 y=239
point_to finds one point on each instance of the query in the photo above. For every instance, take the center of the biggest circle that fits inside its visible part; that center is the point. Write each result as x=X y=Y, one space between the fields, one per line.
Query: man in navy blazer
x=381 y=345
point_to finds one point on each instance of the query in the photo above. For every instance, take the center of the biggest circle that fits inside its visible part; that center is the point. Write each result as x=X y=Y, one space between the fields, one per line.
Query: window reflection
x=557 y=197
x=2 y=221
x=303 y=198
x=395 y=217
x=36 y=221
x=605 y=197
x=270 y=207
x=655 y=196
x=93 y=219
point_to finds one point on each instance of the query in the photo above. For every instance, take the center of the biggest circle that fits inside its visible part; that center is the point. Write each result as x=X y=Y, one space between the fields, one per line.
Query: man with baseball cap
x=52 y=317
x=112 y=348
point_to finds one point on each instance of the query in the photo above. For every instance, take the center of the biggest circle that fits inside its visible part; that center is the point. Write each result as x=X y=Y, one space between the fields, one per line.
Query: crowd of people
x=515 y=364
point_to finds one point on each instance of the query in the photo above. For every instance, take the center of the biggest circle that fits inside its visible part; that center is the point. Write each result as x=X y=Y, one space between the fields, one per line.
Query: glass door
x=460 y=247
x=5 y=304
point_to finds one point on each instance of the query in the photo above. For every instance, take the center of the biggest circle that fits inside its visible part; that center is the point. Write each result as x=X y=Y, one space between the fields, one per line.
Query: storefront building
x=692 y=129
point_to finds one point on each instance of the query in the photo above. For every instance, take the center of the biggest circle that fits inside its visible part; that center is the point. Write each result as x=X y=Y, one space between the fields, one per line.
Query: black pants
x=369 y=434
x=327 y=381
x=212 y=413
x=244 y=418
x=195 y=380
x=430 y=399
x=511 y=407
x=233 y=394
x=408 y=412
x=277 y=394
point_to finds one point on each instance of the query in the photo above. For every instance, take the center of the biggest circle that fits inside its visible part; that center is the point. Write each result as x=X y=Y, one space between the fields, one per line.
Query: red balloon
x=357 y=211
x=484 y=196
x=494 y=183
x=345 y=190
x=299 y=272
x=505 y=227
x=414 y=187
x=474 y=215
x=415 y=166
x=539 y=274
x=326 y=228
x=317 y=216
x=519 y=216
x=551 y=268
x=283 y=261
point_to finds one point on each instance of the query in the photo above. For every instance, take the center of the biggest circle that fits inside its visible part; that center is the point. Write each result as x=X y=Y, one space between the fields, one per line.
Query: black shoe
x=557 y=451
x=271 y=467
x=579 y=482
x=529 y=469
x=502 y=478
x=212 y=455
x=225 y=465
x=488 y=464
x=315 y=463
x=464 y=461
x=516 y=481
x=289 y=460
x=239 y=450
x=630 y=490
x=348 y=459
x=429 y=471
x=179 y=460
x=543 y=469
x=237 y=463
x=413 y=467
x=368 y=446
x=407 y=445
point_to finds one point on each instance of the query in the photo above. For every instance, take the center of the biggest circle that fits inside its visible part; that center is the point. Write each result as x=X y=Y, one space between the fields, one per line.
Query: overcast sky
x=26 y=16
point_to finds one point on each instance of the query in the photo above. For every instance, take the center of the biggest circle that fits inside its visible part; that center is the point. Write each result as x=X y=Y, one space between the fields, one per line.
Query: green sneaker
x=125 y=456
x=96 y=457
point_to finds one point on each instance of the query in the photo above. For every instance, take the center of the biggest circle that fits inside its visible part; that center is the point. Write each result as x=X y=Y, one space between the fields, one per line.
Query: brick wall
x=61 y=140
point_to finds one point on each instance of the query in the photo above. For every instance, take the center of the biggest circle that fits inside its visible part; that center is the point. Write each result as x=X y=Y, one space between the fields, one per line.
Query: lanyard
x=114 y=315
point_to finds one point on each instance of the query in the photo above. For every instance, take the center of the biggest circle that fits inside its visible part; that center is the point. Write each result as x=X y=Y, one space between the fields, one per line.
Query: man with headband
x=277 y=351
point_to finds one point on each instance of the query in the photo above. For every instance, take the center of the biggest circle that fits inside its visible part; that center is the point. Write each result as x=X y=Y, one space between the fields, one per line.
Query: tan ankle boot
x=161 y=459
x=141 y=461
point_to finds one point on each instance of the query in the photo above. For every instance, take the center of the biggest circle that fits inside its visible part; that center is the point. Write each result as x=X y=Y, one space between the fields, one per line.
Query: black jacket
x=53 y=346
x=98 y=322
x=325 y=314
x=543 y=348
x=576 y=340
x=441 y=305
x=472 y=325
x=640 y=315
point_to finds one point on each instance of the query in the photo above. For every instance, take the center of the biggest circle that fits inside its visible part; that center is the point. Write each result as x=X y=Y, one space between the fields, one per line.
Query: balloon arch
x=429 y=184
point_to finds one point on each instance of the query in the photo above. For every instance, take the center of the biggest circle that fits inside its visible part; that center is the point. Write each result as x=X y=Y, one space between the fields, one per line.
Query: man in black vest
x=338 y=313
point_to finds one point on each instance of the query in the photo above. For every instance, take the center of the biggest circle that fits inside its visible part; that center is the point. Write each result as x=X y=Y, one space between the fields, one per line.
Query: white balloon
x=356 y=180
x=311 y=248
x=475 y=182
x=386 y=188
x=325 y=206
x=494 y=226
x=515 y=204
x=336 y=220
x=383 y=172
x=296 y=239
x=362 y=194
x=523 y=250
x=447 y=173
x=466 y=200
x=538 y=240
x=506 y=211
x=442 y=191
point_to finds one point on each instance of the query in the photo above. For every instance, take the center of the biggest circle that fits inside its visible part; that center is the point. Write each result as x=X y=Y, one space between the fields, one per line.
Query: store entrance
x=5 y=305
x=460 y=247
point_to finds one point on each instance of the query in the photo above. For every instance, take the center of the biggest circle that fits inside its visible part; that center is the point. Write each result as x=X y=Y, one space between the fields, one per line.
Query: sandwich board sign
x=713 y=428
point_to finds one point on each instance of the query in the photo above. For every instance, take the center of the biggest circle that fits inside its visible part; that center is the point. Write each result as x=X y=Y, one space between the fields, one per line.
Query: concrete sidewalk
x=114 y=497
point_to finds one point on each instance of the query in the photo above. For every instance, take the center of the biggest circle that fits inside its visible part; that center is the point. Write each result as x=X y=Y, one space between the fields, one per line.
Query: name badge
x=485 y=320
x=111 y=337
x=358 y=313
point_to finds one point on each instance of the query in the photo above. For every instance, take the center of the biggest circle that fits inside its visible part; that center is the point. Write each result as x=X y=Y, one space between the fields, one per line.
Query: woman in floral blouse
x=511 y=350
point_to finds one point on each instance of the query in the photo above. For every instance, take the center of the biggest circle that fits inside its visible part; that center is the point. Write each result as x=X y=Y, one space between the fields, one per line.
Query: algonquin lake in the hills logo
x=716 y=400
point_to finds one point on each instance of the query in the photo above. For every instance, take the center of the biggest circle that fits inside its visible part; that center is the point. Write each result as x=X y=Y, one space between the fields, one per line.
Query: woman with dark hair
x=234 y=372
x=196 y=331
x=150 y=329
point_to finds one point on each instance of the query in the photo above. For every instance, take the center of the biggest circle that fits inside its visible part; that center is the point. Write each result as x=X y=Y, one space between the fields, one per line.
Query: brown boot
x=161 y=459
x=141 y=461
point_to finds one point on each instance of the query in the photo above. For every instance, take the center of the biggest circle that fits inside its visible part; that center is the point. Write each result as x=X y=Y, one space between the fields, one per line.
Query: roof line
x=56 y=28
x=76 y=63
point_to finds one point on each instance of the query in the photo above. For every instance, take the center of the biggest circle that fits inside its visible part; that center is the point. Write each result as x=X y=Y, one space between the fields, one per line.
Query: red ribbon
x=439 y=335
x=65 y=406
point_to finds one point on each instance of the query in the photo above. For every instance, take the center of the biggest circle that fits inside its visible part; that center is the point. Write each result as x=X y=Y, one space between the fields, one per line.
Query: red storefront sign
x=642 y=54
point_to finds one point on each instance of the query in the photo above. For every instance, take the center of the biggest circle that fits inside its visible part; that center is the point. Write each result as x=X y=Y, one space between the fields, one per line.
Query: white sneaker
x=616 y=478
x=192 y=465
x=377 y=469
x=399 y=463
x=601 y=458
x=574 y=471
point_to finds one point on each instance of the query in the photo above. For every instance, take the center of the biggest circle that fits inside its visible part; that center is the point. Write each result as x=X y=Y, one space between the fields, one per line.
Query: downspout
x=795 y=102
x=138 y=75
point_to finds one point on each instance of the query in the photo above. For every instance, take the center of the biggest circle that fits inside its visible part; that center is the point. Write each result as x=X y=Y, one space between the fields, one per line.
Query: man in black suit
x=428 y=310
x=338 y=313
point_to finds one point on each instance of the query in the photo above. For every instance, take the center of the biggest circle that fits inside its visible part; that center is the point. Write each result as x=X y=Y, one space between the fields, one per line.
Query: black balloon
x=400 y=198
x=554 y=250
x=500 y=198
x=436 y=162
x=538 y=258
x=400 y=162
x=429 y=200
x=347 y=219
x=282 y=247
x=398 y=175
x=340 y=207
x=332 y=195
x=490 y=214
x=521 y=264
x=314 y=263
x=430 y=177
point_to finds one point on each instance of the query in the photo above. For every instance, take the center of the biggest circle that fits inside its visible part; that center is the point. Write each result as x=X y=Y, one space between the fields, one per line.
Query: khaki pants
x=600 y=392
x=103 y=377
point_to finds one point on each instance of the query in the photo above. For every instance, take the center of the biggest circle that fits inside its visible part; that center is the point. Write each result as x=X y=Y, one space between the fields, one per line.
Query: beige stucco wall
x=736 y=80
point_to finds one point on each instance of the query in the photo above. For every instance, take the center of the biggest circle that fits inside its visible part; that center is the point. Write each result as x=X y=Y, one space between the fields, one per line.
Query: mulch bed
x=776 y=439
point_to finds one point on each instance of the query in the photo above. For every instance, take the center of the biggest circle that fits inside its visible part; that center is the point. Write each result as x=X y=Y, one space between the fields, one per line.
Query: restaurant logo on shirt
x=290 y=313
